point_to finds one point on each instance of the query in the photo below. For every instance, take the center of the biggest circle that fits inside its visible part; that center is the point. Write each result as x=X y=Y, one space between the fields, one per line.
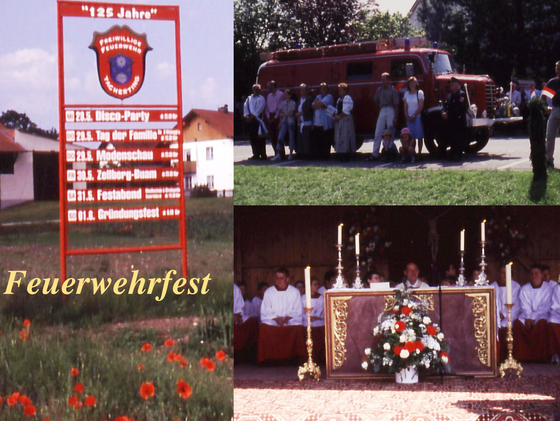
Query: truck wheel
x=478 y=139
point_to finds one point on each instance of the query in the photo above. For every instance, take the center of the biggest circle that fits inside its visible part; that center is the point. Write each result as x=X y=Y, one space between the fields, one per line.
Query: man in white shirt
x=248 y=310
x=554 y=323
x=238 y=305
x=253 y=112
x=281 y=334
x=273 y=101
x=530 y=329
x=411 y=274
x=257 y=300
x=501 y=309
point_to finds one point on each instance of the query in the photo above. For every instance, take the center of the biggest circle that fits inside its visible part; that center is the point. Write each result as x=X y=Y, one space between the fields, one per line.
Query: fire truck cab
x=360 y=65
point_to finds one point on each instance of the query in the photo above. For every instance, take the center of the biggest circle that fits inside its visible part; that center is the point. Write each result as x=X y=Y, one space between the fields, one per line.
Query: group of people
x=278 y=312
x=308 y=126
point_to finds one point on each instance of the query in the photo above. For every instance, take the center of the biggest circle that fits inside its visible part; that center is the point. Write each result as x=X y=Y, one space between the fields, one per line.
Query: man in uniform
x=552 y=90
x=455 y=113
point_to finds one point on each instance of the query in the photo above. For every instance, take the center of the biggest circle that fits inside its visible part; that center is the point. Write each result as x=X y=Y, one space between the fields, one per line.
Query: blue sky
x=29 y=65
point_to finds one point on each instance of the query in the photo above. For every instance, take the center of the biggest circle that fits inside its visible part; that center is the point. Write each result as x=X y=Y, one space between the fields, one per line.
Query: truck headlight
x=484 y=114
x=474 y=109
x=516 y=111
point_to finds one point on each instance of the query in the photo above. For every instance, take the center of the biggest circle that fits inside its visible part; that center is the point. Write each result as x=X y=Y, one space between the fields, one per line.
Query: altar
x=469 y=326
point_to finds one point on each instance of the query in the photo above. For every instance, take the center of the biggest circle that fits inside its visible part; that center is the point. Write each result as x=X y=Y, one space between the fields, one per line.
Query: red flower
x=410 y=347
x=74 y=372
x=147 y=390
x=23 y=335
x=183 y=389
x=444 y=354
x=72 y=400
x=90 y=401
x=140 y=367
x=208 y=364
x=183 y=363
x=399 y=326
x=419 y=346
x=398 y=350
x=29 y=410
x=12 y=400
x=79 y=388
x=221 y=356
x=171 y=357
x=147 y=347
x=1 y=399
x=122 y=418
x=431 y=330
x=178 y=358
x=78 y=405
x=24 y=400
x=169 y=342
x=26 y=323
x=406 y=310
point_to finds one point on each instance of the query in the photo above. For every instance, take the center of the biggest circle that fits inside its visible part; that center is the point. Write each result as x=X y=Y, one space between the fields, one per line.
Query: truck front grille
x=491 y=96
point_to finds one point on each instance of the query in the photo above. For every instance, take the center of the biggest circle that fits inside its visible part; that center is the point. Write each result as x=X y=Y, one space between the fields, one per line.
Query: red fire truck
x=360 y=65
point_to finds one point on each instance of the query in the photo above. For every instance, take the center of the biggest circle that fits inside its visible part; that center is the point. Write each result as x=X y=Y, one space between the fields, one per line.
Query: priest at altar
x=530 y=330
x=281 y=334
x=411 y=273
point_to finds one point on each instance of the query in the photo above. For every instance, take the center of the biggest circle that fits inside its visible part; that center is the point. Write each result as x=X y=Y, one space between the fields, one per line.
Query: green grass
x=350 y=186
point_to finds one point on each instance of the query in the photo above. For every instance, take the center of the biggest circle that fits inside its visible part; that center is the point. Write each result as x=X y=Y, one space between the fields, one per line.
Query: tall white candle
x=340 y=233
x=509 y=296
x=483 y=231
x=357 y=244
x=308 y=287
x=462 y=240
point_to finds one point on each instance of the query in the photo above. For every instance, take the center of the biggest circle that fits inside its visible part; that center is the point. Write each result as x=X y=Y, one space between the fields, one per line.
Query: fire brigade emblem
x=121 y=60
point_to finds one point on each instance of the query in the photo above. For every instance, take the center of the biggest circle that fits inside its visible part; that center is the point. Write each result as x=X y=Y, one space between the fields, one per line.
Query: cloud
x=28 y=84
x=165 y=70
x=208 y=95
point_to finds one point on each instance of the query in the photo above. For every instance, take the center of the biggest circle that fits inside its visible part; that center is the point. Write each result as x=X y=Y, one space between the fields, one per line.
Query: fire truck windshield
x=443 y=63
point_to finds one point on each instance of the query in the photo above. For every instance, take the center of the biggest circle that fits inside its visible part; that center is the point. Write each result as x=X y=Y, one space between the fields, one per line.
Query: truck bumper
x=507 y=120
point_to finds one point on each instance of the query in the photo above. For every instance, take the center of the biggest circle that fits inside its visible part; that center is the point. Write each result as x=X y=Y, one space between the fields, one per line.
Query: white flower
x=386 y=346
x=365 y=365
x=445 y=359
x=417 y=351
x=405 y=302
x=404 y=354
x=375 y=330
x=368 y=351
x=402 y=339
x=396 y=308
x=427 y=364
x=426 y=320
x=440 y=336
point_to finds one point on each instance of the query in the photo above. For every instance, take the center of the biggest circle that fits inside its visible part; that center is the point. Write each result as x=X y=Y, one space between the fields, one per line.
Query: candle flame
x=484 y=221
x=463 y=230
x=341 y=225
x=308 y=267
x=510 y=263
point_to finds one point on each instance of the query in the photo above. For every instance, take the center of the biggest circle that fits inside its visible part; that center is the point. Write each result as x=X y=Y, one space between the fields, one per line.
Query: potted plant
x=405 y=340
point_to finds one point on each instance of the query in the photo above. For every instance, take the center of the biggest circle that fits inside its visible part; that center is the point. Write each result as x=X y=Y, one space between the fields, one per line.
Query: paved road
x=501 y=153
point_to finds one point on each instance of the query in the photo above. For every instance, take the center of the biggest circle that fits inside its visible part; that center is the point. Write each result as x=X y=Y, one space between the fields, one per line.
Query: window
x=359 y=70
x=188 y=182
x=210 y=182
x=209 y=154
x=199 y=127
x=188 y=155
x=398 y=68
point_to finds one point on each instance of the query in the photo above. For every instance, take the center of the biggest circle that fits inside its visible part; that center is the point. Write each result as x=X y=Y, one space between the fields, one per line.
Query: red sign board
x=117 y=145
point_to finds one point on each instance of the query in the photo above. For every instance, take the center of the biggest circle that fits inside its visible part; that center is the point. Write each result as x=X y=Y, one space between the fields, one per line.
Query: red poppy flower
x=12 y=400
x=169 y=342
x=171 y=357
x=431 y=330
x=122 y=418
x=78 y=387
x=398 y=350
x=183 y=389
x=23 y=335
x=208 y=364
x=221 y=356
x=24 y=400
x=78 y=405
x=26 y=323
x=147 y=390
x=419 y=346
x=406 y=310
x=399 y=326
x=183 y=363
x=1 y=399
x=90 y=401
x=178 y=358
x=140 y=367
x=29 y=411
x=72 y=400
x=410 y=347
x=147 y=347
x=74 y=372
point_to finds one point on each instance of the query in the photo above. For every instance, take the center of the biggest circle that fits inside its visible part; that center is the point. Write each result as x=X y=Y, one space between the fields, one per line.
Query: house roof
x=222 y=121
x=7 y=140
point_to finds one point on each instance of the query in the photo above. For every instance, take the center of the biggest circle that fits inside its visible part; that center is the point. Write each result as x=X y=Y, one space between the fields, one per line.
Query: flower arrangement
x=406 y=337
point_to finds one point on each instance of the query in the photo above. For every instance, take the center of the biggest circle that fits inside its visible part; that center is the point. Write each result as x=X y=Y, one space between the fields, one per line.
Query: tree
x=376 y=25
x=20 y=121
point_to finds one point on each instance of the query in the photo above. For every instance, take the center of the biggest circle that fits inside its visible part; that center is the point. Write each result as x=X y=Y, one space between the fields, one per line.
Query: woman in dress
x=344 y=135
x=287 y=126
x=413 y=106
x=305 y=120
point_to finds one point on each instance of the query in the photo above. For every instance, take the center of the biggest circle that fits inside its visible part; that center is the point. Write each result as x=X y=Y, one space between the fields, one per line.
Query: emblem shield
x=121 y=60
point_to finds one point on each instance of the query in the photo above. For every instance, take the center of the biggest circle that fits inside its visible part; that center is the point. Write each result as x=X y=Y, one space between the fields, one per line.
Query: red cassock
x=553 y=338
x=245 y=340
x=281 y=343
x=530 y=344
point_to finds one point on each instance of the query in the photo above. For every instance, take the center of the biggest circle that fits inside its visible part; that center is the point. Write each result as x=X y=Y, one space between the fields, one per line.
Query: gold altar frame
x=483 y=308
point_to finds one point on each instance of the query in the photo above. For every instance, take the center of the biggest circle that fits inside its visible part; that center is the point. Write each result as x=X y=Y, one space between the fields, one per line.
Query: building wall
x=206 y=132
x=17 y=188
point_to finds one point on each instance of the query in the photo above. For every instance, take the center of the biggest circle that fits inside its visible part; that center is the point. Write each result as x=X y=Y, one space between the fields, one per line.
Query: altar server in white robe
x=330 y=279
x=257 y=299
x=412 y=281
x=238 y=305
x=281 y=333
x=501 y=309
x=530 y=329
x=554 y=323
x=317 y=303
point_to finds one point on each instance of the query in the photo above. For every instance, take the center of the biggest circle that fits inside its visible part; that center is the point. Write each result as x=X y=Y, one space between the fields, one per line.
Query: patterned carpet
x=528 y=399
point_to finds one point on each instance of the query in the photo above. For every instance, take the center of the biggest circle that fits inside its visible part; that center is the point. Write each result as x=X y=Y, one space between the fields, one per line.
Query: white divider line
x=513 y=164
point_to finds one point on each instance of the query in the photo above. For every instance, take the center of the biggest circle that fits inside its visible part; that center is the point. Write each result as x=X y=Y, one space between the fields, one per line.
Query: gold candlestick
x=309 y=367
x=510 y=363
